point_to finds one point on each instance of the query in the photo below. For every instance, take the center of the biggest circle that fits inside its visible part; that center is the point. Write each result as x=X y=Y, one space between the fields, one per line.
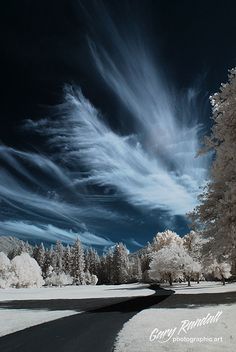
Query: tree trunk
x=223 y=280
x=170 y=279
x=188 y=278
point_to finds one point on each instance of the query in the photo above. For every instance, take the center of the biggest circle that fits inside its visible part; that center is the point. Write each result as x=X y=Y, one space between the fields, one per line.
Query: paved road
x=96 y=329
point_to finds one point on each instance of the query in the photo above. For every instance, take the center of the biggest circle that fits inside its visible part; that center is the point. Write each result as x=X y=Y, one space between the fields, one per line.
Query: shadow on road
x=94 y=330
x=91 y=304
x=136 y=304
x=97 y=328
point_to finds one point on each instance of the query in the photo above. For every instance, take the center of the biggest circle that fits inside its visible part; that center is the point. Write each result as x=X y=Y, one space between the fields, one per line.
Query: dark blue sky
x=148 y=67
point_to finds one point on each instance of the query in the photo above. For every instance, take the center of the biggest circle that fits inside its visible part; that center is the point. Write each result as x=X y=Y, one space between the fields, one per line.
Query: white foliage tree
x=77 y=263
x=220 y=271
x=135 y=272
x=120 y=264
x=92 y=261
x=27 y=271
x=39 y=255
x=5 y=263
x=90 y=279
x=67 y=260
x=216 y=214
x=59 y=256
x=7 y=277
x=190 y=267
x=58 y=279
x=165 y=264
x=193 y=243
x=94 y=280
x=170 y=263
x=165 y=238
x=197 y=271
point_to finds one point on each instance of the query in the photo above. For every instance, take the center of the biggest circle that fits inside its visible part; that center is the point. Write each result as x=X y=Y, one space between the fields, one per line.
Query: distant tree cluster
x=172 y=258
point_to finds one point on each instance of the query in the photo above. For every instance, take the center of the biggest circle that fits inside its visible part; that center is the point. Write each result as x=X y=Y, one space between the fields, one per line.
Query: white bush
x=58 y=279
x=90 y=279
x=27 y=271
x=94 y=280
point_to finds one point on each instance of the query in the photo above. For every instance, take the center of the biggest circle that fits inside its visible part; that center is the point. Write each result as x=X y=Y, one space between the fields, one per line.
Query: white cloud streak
x=156 y=167
x=141 y=177
x=49 y=233
x=34 y=188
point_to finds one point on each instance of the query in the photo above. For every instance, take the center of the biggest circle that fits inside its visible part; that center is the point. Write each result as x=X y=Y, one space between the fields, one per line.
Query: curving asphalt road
x=97 y=327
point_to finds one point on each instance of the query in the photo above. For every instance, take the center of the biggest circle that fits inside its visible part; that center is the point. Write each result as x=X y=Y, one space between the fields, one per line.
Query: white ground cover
x=75 y=292
x=12 y=320
x=202 y=287
x=170 y=330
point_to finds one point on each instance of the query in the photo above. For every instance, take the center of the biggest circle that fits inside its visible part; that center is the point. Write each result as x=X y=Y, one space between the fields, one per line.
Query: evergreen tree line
x=113 y=267
x=167 y=258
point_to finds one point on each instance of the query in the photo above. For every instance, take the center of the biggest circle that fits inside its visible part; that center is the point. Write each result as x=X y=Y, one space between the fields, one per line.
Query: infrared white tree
x=193 y=243
x=59 y=256
x=191 y=269
x=173 y=262
x=220 y=271
x=67 y=259
x=92 y=261
x=39 y=255
x=120 y=264
x=167 y=263
x=58 y=279
x=216 y=214
x=7 y=277
x=165 y=238
x=77 y=263
x=27 y=271
x=135 y=272
x=90 y=279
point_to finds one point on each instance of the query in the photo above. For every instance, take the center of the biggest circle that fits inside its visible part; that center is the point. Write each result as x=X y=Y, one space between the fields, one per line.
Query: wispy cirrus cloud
x=142 y=178
x=42 y=200
x=156 y=166
x=50 y=233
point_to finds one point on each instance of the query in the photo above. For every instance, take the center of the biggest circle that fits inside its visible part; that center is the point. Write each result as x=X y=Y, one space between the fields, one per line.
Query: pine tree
x=39 y=255
x=68 y=260
x=110 y=265
x=47 y=263
x=59 y=253
x=105 y=272
x=120 y=264
x=53 y=258
x=14 y=252
x=92 y=261
x=77 y=269
x=25 y=248
x=135 y=272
